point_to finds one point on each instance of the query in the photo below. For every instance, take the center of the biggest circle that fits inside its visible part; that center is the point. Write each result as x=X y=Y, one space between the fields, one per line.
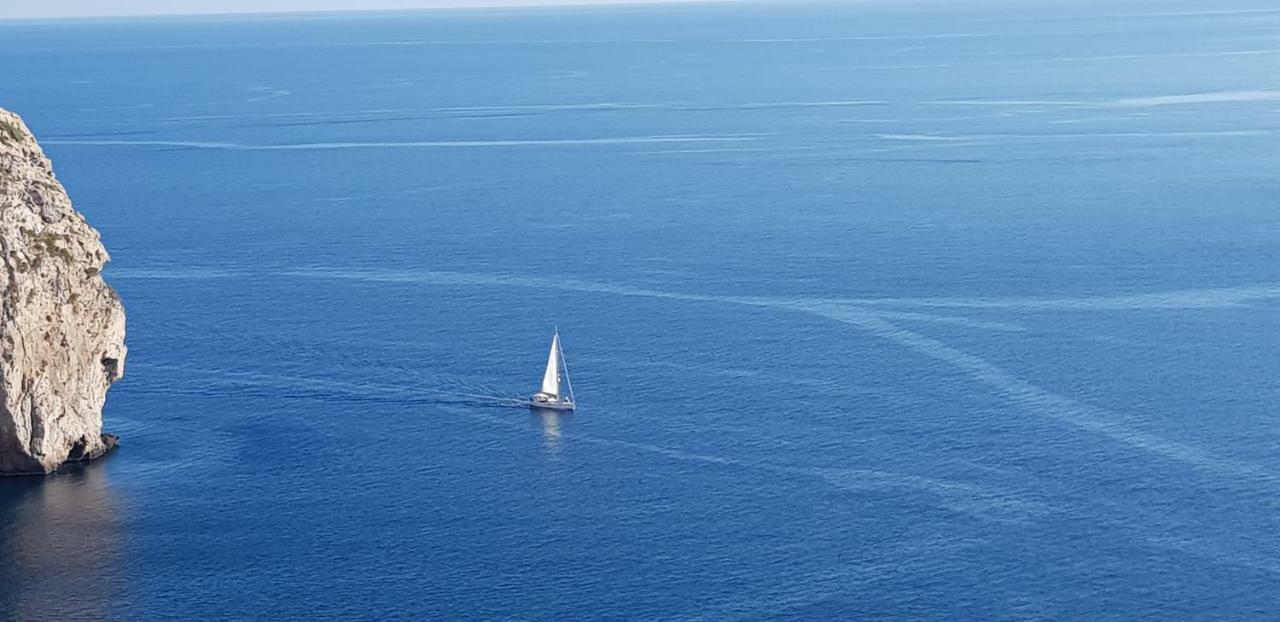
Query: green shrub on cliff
x=8 y=129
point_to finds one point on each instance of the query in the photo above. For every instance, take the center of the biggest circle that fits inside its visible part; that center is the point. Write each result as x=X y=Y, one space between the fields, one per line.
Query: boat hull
x=537 y=404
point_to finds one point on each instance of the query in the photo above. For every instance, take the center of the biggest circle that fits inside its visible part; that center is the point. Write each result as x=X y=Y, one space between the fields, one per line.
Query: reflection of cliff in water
x=59 y=546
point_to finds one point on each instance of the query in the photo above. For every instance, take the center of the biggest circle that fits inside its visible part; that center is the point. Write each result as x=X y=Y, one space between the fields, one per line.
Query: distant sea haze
x=892 y=311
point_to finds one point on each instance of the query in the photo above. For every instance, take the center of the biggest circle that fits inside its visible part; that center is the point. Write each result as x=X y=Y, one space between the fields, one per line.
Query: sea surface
x=892 y=311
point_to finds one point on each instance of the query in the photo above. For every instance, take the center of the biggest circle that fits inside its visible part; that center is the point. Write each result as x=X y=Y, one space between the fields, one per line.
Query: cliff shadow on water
x=60 y=539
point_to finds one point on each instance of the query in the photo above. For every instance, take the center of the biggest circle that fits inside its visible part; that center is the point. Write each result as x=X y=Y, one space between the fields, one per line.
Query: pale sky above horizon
x=24 y=9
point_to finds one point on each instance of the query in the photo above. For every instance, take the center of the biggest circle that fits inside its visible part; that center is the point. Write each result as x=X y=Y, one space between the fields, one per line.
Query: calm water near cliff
x=873 y=312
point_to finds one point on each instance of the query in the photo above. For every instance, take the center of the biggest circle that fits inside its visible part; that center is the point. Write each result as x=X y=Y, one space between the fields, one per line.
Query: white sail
x=551 y=378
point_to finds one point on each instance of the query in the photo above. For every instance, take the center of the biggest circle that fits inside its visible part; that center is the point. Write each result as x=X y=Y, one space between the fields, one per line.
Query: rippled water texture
x=874 y=311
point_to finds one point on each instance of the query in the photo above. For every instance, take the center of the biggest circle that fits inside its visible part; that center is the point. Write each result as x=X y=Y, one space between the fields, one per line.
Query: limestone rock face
x=61 y=325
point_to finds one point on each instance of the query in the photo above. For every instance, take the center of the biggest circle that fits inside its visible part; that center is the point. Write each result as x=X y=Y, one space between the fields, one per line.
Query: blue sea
x=874 y=310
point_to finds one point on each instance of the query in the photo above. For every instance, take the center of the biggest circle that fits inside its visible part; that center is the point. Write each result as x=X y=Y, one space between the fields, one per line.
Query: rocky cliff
x=61 y=325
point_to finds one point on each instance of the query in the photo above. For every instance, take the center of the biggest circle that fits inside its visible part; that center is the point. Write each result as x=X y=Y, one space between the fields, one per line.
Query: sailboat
x=556 y=392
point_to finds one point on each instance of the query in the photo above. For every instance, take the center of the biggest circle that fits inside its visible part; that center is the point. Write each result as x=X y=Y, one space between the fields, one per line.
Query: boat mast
x=565 y=366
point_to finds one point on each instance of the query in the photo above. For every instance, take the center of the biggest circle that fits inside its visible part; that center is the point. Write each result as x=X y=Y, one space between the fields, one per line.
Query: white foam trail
x=979 y=501
x=589 y=106
x=784 y=40
x=268 y=92
x=678 y=151
x=1071 y=136
x=970 y=499
x=919 y=137
x=370 y=115
x=1004 y=102
x=708 y=106
x=1038 y=401
x=953 y=320
x=550 y=142
x=438 y=277
x=1019 y=392
x=801 y=104
x=1215 y=97
x=1150 y=101
x=906 y=66
x=1097 y=119
x=1159 y=55
x=1208 y=298
x=342 y=115
x=1213 y=13
x=896 y=37
x=904 y=50
x=143 y=143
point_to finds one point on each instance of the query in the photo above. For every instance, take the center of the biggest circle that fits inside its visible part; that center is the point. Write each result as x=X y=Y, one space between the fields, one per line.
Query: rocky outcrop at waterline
x=61 y=325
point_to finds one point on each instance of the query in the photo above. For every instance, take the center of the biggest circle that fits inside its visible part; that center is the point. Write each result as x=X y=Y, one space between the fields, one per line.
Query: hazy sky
x=83 y=8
